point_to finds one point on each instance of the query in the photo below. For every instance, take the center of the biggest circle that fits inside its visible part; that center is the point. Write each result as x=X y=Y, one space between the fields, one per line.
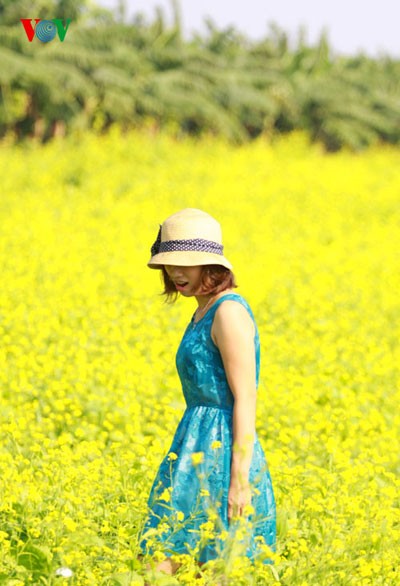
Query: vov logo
x=45 y=30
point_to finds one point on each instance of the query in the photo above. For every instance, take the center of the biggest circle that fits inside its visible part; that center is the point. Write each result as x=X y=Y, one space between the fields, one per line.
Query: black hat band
x=195 y=244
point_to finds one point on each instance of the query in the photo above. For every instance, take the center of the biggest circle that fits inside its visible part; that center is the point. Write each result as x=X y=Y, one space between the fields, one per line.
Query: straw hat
x=189 y=237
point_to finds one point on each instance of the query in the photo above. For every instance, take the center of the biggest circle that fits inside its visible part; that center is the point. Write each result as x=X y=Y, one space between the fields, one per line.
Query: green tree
x=109 y=71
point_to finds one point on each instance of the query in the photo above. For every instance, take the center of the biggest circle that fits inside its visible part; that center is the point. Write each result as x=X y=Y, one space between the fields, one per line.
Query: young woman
x=215 y=462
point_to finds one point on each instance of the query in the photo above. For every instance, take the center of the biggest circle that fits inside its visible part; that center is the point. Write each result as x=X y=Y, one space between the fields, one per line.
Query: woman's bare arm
x=233 y=332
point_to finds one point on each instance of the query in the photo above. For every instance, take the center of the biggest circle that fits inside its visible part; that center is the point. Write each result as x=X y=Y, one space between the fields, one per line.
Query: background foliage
x=108 y=70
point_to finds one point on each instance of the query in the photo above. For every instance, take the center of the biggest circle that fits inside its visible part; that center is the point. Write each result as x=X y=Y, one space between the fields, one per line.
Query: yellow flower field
x=90 y=397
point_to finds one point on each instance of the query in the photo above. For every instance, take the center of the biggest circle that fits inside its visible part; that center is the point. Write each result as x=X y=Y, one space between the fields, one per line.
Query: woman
x=215 y=470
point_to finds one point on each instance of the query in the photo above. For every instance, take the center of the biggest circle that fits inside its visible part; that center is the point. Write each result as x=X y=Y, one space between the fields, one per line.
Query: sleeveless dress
x=186 y=490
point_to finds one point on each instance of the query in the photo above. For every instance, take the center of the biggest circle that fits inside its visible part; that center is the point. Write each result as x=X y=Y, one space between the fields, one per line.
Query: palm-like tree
x=218 y=82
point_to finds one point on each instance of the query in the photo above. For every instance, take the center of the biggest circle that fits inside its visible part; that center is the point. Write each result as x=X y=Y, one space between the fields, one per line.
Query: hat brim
x=187 y=258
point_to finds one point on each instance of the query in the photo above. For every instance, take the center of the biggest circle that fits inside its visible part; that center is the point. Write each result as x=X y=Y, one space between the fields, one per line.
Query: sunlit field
x=90 y=397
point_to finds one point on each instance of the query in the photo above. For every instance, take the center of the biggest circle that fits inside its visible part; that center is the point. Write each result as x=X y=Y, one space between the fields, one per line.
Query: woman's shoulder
x=233 y=307
x=231 y=299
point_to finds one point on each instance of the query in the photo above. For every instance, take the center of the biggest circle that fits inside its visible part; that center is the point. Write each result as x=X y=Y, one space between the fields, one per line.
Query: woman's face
x=187 y=279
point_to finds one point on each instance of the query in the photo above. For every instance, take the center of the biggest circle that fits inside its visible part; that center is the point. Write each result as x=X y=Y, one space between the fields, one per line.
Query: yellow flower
x=166 y=495
x=197 y=458
x=207 y=525
x=248 y=510
x=70 y=524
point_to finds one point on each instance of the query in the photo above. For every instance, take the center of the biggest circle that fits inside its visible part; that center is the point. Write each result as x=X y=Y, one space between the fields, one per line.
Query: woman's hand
x=239 y=496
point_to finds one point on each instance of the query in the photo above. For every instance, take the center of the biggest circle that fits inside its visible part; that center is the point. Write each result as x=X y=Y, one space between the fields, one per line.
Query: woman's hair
x=214 y=279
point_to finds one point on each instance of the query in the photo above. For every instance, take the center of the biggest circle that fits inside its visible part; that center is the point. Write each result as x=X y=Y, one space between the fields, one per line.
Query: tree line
x=109 y=70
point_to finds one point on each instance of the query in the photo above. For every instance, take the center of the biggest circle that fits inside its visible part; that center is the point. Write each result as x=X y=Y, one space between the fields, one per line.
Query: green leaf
x=125 y=579
x=35 y=559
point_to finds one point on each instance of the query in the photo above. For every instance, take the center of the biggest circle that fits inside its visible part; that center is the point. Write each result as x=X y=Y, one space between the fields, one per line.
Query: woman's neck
x=204 y=300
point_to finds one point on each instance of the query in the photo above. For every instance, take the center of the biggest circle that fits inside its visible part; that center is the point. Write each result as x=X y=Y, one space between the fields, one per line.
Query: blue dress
x=185 y=491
